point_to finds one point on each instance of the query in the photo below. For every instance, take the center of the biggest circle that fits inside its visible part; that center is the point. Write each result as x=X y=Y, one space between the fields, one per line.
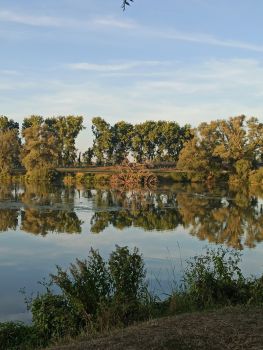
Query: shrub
x=94 y=295
x=85 y=286
x=215 y=279
x=16 y=335
x=129 y=287
x=54 y=317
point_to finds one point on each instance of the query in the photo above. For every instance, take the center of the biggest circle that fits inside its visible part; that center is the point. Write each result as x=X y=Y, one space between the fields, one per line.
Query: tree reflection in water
x=230 y=216
x=39 y=212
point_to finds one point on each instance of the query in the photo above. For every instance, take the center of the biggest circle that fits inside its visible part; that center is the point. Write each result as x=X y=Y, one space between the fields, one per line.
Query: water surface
x=43 y=226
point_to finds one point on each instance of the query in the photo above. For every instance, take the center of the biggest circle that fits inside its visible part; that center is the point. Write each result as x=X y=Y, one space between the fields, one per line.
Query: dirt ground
x=227 y=329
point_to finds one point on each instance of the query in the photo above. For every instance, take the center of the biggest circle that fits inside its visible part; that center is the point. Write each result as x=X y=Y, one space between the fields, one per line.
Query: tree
x=158 y=141
x=66 y=129
x=102 y=144
x=87 y=156
x=222 y=144
x=10 y=146
x=40 y=151
x=121 y=141
x=8 y=124
x=32 y=120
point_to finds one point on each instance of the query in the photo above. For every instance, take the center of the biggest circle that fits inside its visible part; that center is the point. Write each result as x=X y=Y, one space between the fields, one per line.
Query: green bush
x=85 y=286
x=94 y=295
x=16 y=335
x=130 y=292
x=214 y=279
x=53 y=317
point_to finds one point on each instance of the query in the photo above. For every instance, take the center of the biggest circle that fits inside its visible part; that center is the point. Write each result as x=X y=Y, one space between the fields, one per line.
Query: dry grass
x=227 y=329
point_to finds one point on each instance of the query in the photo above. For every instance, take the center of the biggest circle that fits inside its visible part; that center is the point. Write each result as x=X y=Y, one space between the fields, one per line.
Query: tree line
x=43 y=145
x=233 y=146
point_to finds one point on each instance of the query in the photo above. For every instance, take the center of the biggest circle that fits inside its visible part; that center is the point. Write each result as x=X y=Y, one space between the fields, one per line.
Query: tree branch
x=126 y=3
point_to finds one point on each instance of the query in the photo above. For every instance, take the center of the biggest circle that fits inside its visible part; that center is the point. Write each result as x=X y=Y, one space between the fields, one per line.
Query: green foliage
x=17 y=336
x=39 y=152
x=214 y=279
x=85 y=286
x=146 y=142
x=233 y=146
x=10 y=147
x=128 y=283
x=53 y=317
x=8 y=124
x=94 y=294
x=87 y=156
x=66 y=130
x=102 y=144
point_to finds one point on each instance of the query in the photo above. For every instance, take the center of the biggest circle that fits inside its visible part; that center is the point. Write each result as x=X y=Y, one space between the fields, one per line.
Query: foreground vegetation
x=229 y=150
x=97 y=296
x=231 y=328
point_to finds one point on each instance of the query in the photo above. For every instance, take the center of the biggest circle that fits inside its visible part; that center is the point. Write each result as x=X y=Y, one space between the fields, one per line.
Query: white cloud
x=31 y=20
x=205 y=39
x=115 y=23
x=185 y=93
x=51 y=21
x=112 y=67
x=133 y=27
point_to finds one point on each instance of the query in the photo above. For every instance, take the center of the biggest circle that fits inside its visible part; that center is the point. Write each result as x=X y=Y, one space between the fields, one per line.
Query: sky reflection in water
x=41 y=227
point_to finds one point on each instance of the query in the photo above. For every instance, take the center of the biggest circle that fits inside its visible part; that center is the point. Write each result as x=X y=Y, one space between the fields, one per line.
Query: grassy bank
x=231 y=328
x=98 y=297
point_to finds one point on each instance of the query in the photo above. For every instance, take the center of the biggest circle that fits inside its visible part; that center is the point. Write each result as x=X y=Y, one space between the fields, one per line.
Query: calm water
x=41 y=227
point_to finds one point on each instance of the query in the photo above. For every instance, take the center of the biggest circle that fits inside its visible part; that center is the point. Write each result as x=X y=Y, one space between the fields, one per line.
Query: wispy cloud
x=58 y=22
x=206 y=40
x=115 y=23
x=116 y=67
x=31 y=20
x=110 y=22
x=206 y=91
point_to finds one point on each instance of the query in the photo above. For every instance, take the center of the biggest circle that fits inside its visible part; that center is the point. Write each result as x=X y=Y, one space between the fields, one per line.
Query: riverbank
x=232 y=328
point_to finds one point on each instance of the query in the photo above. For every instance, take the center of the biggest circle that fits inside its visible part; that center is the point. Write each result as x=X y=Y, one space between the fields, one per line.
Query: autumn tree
x=8 y=124
x=234 y=145
x=39 y=155
x=10 y=146
x=31 y=121
x=102 y=144
x=66 y=129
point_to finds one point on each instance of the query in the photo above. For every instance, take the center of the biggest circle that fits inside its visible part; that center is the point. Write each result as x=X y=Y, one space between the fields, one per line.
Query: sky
x=183 y=60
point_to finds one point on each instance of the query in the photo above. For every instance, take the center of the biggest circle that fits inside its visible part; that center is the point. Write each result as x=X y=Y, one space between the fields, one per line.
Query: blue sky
x=182 y=60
